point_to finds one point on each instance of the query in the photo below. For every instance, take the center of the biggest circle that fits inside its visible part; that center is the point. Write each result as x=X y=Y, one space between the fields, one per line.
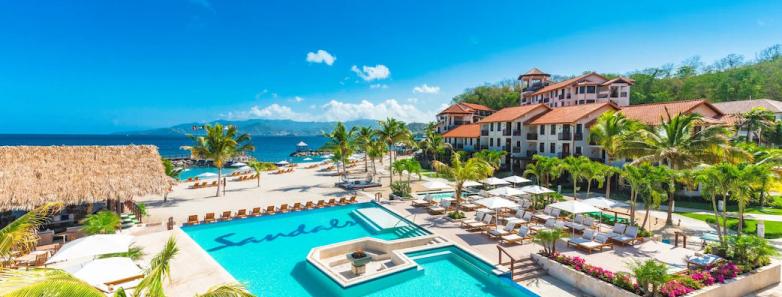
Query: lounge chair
x=575 y=222
x=309 y=205
x=192 y=220
x=242 y=213
x=332 y=202
x=618 y=230
x=586 y=223
x=501 y=231
x=342 y=201
x=523 y=217
x=284 y=207
x=549 y=224
x=629 y=237
x=440 y=209
x=601 y=241
x=478 y=217
x=209 y=218
x=214 y=184
x=353 y=199
x=552 y=213
x=297 y=206
x=426 y=201
x=226 y=216
x=587 y=236
x=518 y=237
x=270 y=210
x=321 y=204
x=256 y=212
x=483 y=224
x=195 y=186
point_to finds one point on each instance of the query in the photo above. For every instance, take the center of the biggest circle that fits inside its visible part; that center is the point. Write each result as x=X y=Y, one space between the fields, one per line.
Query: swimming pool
x=437 y=196
x=268 y=254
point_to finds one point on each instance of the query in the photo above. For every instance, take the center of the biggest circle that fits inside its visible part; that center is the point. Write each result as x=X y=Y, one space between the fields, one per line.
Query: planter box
x=744 y=284
x=584 y=282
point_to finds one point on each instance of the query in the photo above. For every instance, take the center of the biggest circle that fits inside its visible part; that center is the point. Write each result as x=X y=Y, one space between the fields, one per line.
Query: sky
x=100 y=66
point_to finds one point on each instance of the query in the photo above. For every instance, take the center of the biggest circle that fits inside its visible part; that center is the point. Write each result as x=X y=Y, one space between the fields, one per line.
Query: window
x=499 y=143
x=578 y=128
x=542 y=130
x=553 y=129
x=518 y=143
x=542 y=147
x=553 y=147
x=491 y=126
x=590 y=89
x=578 y=150
x=580 y=90
x=491 y=141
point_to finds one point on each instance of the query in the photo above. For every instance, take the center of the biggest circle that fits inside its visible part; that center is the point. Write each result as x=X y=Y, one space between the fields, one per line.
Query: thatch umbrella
x=34 y=175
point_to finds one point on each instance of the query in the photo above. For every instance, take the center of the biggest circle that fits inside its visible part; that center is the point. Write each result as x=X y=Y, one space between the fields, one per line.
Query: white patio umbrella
x=101 y=271
x=471 y=183
x=282 y=163
x=516 y=179
x=536 y=190
x=574 y=207
x=238 y=164
x=436 y=185
x=496 y=203
x=506 y=191
x=207 y=175
x=91 y=246
x=603 y=202
x=493 y=181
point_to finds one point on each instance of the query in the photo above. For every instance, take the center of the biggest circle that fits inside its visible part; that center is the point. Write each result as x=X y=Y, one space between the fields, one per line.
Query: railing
x=512 y=262
x=516 y=132
x=565 y=136
x=578 y=136
x=506 y=132
x=532 y=136
x=484 y=132
x=506 y=148
x=130 y=205
x=516 y=150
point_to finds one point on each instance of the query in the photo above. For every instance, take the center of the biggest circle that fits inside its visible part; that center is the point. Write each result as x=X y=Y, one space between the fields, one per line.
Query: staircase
x=409 y=231
x=128 y=220
x=520 y=269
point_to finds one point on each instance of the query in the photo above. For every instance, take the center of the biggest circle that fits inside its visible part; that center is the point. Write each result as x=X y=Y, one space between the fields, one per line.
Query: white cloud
x=321 y=56
x=426 y=89
x=412 y=100
x=378 y=86
x=272 y=112
x=297 y=99
x=336 y=110
x=369 y=73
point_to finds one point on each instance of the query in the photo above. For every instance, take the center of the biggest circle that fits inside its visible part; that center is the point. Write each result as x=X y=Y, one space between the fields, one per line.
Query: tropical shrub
x=751 y=251
x=456 y=215
x=103 y=222
x=401 y=189
x=675 y=288
x=548 y=239
x=619 y=279
x=650 y=275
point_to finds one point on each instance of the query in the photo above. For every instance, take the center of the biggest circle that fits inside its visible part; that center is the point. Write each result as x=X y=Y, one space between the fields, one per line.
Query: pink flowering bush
x=622 y=280
x=703 y=277
x=675 y=288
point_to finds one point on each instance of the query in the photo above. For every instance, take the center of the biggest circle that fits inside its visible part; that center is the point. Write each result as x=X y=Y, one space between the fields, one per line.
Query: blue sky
x=105 y=66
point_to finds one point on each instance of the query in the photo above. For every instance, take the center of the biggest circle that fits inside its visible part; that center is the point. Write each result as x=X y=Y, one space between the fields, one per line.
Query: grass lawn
x=773 y=229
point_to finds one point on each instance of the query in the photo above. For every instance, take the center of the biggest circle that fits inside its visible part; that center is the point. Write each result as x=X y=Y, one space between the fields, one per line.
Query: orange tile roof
x=565 y=83
x=509 y=114
x=569 y=114
x=534 y=72
x=653 y=113
x=621 y=78
x=464 y=131
x=465 y=108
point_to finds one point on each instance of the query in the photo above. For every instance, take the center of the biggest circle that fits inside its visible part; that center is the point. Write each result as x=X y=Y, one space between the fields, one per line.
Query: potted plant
x=456 y=216
x=359 y=259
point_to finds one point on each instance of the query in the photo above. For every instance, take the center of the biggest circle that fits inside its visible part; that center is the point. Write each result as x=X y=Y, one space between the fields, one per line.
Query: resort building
x=460 y=114
x=655 y=113
x=564 y=131
x=464 y=137
x=588 y=88
x=507 y=130
x=734 y=109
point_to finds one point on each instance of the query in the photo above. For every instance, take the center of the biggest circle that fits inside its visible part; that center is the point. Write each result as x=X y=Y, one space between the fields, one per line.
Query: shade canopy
x=281 y=163
x=506 y=191
x=493 y=181
x=101 y=271
x=536 y=190
x=603 y=202
x=471 y=183
x=238 y=164
x=31 y=176
x=573 y=206
x=301 y=143
x=496 y=202
x=516 y=179
x=207 y=175
x=91 y=246
x=436 y=185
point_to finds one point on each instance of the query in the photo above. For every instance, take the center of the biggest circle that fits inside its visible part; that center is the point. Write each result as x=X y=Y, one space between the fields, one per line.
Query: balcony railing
x=516 y=132
x=578 y=136
x=506 y=148
x=506 y=132
x=532 y=136
x=565 y=136
x=531 y=153
x=484 y=132
x=516 y=150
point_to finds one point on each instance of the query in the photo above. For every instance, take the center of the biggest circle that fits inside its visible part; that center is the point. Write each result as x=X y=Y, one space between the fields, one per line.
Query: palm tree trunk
x=366 y=162
x=219 y=180
x=741 y=219
x=390 y=169
x=724 y=210
x=608 y=187
x=646 y=216
x=669 y=218
x=717 y=219
x=589 y=188
x=259 y=179
x=632 y=206
x=749 y=132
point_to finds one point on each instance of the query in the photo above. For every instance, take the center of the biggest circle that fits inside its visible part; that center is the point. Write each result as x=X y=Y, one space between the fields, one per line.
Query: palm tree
x=341 y=142
x=220 y=144
x=103 y=222
x=711 y=184
x=649 y=273
x=610 y=132
x=545 y=169
x=259 y=167
x=677 y=143
x=460 y=172
x=433 y=142
x=391 y=132
x=363 y=140
x=756 y=121
x=634 y=176
x=21 y=235
x=226 y=290
x=377 y=149
x=44 y=282
x=577 y=167
x=594 y=171
x=159 y=271
x=494 y=158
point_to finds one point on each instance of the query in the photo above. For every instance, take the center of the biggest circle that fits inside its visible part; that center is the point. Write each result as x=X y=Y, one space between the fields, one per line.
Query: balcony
x=506 y=148
x=532 y=136
x=506 y=132
x=578 y=136
x=516 y=132
x=484 y=132
x=516 y=150
x=565 y=136
x=459 y=123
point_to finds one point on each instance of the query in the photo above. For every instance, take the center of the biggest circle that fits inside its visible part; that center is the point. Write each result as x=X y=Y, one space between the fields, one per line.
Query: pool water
x=437 y=196
x=268 y=254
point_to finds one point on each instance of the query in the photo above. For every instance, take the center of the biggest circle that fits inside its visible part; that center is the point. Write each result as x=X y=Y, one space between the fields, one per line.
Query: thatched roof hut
x=33 y=175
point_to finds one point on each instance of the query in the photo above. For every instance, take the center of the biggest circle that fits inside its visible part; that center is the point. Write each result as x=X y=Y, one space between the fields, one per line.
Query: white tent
x=536 y=190
x=516 y=179
x=506 y=191
x=101 y=271
x=603 y=202
x=238 y=164
x=573 y=206
x=436 y=185
x=207 y=175
x=91 y=246
x=493 y=181
x=471 y=183
x=496 y=202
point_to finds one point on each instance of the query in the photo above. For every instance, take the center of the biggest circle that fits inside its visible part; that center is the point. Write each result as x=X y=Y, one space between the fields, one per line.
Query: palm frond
x=22 y=234
x=44 y=282
x=227 y=290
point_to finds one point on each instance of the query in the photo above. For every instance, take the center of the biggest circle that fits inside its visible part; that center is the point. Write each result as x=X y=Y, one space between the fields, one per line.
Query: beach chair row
x=270 y=210
x=246 y=177
x=283 y=171
x=204 y=185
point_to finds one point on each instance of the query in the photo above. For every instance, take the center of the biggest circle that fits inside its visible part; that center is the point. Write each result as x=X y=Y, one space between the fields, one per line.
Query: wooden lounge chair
x=486 y=223
x=270 y=210
x=309 y=205
x=192 y=220
x=284 y=207
x=587 y=236
x=256 y=212
x=195 y=186
x=601 y=241
x=226 y=216
x=521 y=218
x=242 y=213
x=440 y=209
x=478 y=217
x=214 y=184
x=628 y=238
x=342 y=201
x=209 y=218
x=321 y=204
x=618 y=230
x=353 y=199
x=297 y=206
x=517 y=237
x=332 y=202
x=501 y=231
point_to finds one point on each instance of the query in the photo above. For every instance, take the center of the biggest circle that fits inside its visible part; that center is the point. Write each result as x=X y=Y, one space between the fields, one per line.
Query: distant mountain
x=263 y=127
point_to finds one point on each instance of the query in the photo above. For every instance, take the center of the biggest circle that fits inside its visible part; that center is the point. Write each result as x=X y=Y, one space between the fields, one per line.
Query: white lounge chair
x=553 y=213
x=618 y=230
x=440 y=209
x=485 y=223
x=426 y=201
x=586 y=223
x=478 y=217
x=587 y=236
x=576 y=222
x=518 y=237
x=524 y=218
x=500 y=231
x=629 y=237
x=600 y=242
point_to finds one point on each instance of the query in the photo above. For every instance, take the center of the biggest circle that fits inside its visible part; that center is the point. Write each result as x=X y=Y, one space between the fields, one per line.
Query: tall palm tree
x=577 y=167
x=433 y=143
x=391 y=132
x=677 y=143
x=377 y=149
x=259 y=167
x=610 y=132
x=21 y=235
x=494 y=158
x=220 y=144
x=363 y=140
x=634 y=176
x=545 y=169
x=341 y=141
x=460 y=172
x=44 y=282
x=711 y=183
x=597 y=172
x=756 y=121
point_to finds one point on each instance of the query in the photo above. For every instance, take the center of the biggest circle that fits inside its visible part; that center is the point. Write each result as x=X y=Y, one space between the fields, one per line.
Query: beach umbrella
x=516 y=179
x=244 y=168
x=471 y=183
x=238 y=164
x=207 y=175
x=101 y=271
x=435 y=185
x=91 y=246
x=574 y=206
x=536 y=190
x=603 y=202
x=282 y=163
x=493 y=181
x=506 y=191
x=496 y=203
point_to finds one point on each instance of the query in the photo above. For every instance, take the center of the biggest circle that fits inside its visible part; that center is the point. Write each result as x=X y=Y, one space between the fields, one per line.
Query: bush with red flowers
x=675 y=288
x=622 y=280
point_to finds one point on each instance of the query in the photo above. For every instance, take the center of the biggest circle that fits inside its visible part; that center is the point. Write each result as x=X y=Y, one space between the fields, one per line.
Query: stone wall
x=744 y=284
x=584 y=282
